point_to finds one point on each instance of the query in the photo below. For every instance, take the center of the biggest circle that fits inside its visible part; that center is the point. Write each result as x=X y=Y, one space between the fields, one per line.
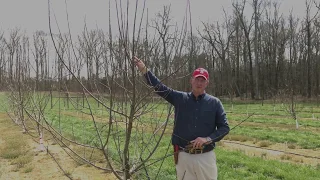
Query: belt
x=195 y=151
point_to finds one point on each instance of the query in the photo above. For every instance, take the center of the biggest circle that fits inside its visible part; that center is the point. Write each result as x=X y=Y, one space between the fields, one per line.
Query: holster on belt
x=176 y=153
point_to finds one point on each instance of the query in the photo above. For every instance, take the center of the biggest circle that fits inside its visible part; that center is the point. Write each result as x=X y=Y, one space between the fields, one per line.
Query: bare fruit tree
x=117 y=122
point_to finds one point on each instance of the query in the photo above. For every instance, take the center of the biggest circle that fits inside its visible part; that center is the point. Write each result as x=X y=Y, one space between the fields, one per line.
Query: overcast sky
x=32 y=15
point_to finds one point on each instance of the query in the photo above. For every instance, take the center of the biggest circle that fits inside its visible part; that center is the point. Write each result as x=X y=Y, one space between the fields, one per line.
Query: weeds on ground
x=291 y=146
x=240 y=138
x=285 y=157
x=22 y=160
x=28 y=169
x=264 y=144
x=15 y=149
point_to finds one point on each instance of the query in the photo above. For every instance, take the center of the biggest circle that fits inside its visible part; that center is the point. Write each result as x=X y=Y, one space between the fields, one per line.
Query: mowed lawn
x=269 y=122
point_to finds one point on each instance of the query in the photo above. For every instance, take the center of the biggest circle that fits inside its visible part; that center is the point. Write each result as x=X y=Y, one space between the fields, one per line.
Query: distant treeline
x=258 y=56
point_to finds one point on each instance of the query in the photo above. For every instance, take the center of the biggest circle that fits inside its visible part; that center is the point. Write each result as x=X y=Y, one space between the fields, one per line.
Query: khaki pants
x=197 y=166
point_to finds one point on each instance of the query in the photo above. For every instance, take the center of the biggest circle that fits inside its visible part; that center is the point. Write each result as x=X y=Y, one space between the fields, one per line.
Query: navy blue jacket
x=201 y=117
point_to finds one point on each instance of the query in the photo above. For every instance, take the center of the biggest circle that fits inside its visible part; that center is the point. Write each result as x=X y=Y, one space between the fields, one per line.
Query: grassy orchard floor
x=232 y=164
x=269 y=127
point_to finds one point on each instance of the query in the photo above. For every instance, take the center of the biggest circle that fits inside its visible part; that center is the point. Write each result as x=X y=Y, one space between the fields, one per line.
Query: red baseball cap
x=201 y=72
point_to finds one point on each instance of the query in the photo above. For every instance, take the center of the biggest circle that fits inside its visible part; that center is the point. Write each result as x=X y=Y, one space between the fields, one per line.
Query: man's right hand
x=141 y=66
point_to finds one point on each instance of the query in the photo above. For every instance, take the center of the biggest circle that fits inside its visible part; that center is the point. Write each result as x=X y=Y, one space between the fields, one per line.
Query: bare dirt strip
x=276 y=151
x=42 y=166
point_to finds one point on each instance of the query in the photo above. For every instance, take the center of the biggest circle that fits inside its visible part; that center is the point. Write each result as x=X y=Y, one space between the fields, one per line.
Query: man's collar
x=199 y=97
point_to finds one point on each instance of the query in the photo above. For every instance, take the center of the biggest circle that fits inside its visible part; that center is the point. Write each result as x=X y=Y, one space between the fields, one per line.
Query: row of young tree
x=247 y=55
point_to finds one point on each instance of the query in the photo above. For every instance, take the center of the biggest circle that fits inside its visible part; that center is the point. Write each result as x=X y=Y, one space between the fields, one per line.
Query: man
x=200 y=121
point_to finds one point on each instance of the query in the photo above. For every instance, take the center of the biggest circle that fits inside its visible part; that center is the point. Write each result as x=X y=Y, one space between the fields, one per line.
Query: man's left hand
x=198 y=142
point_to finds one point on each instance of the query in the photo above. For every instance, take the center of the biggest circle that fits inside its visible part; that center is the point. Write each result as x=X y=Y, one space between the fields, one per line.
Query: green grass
x=3 y=102
x=84 y=131
x=73 y=123
x=303 y=109
x=287 y=120
x=307 y=140
x=248 y=168
x=236 y=165
x=87 y=130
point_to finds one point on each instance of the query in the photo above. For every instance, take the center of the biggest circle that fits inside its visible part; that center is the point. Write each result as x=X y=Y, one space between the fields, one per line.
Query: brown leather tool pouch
x=176 y=153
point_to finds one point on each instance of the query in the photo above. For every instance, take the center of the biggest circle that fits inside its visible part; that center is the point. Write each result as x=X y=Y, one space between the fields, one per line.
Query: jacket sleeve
x=221 y=123
x=162 y=90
